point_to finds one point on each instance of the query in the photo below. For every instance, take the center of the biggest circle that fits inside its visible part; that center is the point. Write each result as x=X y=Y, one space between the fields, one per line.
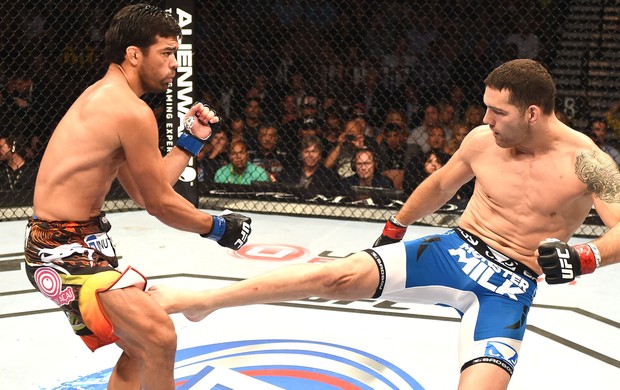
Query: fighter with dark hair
x=109 y=133
x=536 y=181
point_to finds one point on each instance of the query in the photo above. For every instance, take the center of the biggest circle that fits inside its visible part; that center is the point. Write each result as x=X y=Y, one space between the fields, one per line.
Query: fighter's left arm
x=601 y=174
x=562 y=263
x=200 y=122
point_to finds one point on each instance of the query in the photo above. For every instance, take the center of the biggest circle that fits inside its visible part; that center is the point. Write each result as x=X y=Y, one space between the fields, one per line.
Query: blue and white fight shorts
x=491 y=292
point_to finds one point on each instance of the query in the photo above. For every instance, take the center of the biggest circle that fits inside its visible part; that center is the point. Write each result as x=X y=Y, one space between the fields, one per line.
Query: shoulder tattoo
x=600 y=173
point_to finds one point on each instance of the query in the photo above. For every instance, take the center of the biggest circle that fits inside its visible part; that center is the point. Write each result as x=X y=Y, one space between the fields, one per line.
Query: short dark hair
x=528 y=82
x=310 y=140
x=138 y=25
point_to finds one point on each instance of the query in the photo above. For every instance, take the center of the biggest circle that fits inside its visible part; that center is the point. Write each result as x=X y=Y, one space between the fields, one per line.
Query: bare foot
x=176 y=300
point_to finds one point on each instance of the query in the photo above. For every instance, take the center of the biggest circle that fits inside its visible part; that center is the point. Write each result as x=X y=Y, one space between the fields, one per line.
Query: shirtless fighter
x=536 y=179
x=109 y=133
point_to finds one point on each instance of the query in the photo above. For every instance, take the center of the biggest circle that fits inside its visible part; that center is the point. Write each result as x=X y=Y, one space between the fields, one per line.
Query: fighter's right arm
x=145 y=176
x=429 y=196
x=439 y=187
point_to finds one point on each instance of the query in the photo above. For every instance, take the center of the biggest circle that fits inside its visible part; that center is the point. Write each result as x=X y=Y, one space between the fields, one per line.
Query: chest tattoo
x=600 y=173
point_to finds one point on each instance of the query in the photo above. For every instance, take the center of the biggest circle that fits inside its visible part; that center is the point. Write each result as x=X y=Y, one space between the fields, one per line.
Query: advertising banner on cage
x=180 y=94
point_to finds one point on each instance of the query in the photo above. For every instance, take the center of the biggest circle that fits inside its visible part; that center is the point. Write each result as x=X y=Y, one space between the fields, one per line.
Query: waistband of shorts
x=486 y=251
x=92 y=225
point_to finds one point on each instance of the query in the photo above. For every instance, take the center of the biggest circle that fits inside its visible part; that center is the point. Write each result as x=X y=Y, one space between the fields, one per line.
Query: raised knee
x=161 y=337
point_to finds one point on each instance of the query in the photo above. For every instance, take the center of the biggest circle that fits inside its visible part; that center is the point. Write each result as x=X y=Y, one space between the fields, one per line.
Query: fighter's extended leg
x=354 y=277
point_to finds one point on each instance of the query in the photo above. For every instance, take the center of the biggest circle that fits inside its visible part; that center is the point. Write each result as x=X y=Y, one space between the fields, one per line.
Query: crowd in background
x=323 y=94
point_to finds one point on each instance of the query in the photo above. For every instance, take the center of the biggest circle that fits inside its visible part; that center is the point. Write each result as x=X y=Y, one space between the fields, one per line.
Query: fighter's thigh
x=133 y=313
x=357 y=275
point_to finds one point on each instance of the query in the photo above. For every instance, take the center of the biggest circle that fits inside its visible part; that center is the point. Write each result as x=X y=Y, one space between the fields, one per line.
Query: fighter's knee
x=161 y=335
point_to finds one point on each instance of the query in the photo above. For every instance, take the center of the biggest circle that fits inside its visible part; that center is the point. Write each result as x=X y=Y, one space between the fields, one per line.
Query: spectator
x=252 y=113
x=447 y=117
x=423 y=31
x=333 y=126
x=525 y=39
x=393 y=149
x=410 y=102
x=398 y=65
x=312 y=174
x=212 y=157
x=458 y=99
x=378 y=36
x=435 y=69
x=261 y=90
x=237 y=129
x=16 y=172
x=252 y=119
x=459 y=131
x=289 y=112
x=329 y=103
x=598 y=133
x=359 y=113
x=310 y=127
x=373 y=96
x=287 y=77
x=419 y=135
x=473 y=116
x=418 y=169
x=613 y=118
x=364 y=164
x=297 y=86
x=354 y=70
x=397 y=117
x=350 y=139
x=226 y=89
x=240 y=170
x=20 y=113
x=292 y=139
x=268 y=156
x=309 y=113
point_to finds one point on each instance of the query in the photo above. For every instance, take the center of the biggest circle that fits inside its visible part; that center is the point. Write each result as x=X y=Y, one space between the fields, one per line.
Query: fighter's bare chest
x=538 y=183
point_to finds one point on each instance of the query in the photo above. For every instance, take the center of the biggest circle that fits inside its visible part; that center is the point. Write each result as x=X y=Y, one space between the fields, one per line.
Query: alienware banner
x=180 y=95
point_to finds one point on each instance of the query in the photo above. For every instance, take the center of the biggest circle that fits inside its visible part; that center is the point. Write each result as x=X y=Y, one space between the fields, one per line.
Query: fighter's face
x=507 y=122
x=159 y=65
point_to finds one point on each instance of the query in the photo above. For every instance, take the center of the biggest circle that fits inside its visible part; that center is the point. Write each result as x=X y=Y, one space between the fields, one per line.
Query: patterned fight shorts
x=70 y=263
x=492 y=292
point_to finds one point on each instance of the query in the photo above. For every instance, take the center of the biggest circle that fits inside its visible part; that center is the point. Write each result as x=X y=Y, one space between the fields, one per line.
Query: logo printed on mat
x=287 y=364
x=271 y=252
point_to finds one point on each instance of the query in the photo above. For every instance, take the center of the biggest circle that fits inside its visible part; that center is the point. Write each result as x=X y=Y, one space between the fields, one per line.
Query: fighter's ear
x=132 y=53
x=533 y=113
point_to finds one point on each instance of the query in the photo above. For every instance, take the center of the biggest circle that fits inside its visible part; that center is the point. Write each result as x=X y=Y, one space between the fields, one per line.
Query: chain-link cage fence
x=341 y=108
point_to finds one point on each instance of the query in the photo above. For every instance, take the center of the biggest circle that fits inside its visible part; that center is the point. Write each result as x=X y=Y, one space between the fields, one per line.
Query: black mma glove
x=230 y=230
x=562 y=263
x=393 y=231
